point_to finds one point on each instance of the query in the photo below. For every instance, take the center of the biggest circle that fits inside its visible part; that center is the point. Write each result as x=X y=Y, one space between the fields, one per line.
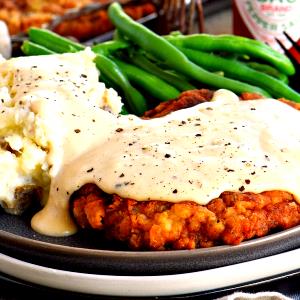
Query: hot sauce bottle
x=266 y=20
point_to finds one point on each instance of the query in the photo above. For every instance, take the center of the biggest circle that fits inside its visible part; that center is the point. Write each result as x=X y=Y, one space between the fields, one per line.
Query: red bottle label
x=267 y=19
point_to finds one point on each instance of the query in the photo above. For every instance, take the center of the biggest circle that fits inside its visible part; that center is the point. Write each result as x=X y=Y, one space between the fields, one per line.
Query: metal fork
x=180 y=15
x=293 y=54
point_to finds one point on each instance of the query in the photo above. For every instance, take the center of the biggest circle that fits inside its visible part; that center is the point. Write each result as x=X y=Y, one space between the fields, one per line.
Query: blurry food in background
x=96 y=22
x=20 y=15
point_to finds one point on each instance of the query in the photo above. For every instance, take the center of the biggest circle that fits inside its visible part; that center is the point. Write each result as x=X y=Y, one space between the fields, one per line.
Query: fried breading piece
x=185 y=100
x=159 y=225
x=88 y=209
x=252 y=96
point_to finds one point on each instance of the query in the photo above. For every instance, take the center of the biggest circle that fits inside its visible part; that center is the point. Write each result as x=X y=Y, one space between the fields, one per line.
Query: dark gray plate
x=85 y=252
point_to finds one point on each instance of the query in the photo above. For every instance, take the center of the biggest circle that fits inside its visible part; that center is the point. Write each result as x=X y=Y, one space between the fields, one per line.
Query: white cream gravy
x=192 y=154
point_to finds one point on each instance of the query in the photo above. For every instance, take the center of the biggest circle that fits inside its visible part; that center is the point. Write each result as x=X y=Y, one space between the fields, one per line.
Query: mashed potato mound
x=35 y=94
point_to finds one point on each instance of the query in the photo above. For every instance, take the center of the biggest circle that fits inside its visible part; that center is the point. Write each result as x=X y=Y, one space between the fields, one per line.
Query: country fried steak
x=160 y=225
x=231 y=218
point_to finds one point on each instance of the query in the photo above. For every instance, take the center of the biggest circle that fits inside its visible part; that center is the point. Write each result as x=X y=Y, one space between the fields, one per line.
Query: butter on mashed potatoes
x=46 y=102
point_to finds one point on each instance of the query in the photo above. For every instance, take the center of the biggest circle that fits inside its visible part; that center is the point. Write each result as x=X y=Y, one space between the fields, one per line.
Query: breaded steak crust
x=160 y=225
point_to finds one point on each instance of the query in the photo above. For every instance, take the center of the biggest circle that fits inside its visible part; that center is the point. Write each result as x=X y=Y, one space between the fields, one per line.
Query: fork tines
x=292 y=53
x=180 y=15
x=295 y=45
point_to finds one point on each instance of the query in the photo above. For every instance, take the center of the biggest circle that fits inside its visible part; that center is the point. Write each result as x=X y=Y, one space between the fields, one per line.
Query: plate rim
x=169 y=262
x=8 y=236
x=129 y=286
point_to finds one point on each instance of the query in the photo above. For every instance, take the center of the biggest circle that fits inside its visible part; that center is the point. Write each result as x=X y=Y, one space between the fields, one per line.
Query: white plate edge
x=162 y=285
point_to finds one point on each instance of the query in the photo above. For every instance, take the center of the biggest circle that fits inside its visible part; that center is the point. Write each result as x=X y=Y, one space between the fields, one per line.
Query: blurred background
x=276 y=23
x=87 y=19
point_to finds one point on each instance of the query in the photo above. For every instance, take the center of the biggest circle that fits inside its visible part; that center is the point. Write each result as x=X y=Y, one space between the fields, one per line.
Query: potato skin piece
x=24 y=197
x=160 y=225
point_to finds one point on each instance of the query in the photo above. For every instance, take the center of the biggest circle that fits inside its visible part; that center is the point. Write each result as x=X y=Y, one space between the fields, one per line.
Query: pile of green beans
x=147 y=68
x=237 y=70
x=235 y=44
x=164 y=51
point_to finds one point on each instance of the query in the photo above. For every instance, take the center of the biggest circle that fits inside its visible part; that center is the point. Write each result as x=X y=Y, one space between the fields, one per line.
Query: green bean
x=236 y=69
x=167 y=53
x=118 y=36
x=124 y=111
x=53 y=41
x=268 y=70
x=109 y=47
x=141 y=61
x=107 y=82
x=235 y=44
x=133 y=98
x=156 y=87
x=172 y=72
x=30 y=49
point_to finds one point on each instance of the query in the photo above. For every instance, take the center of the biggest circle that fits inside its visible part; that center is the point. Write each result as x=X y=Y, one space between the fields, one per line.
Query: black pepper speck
x=242 y=188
